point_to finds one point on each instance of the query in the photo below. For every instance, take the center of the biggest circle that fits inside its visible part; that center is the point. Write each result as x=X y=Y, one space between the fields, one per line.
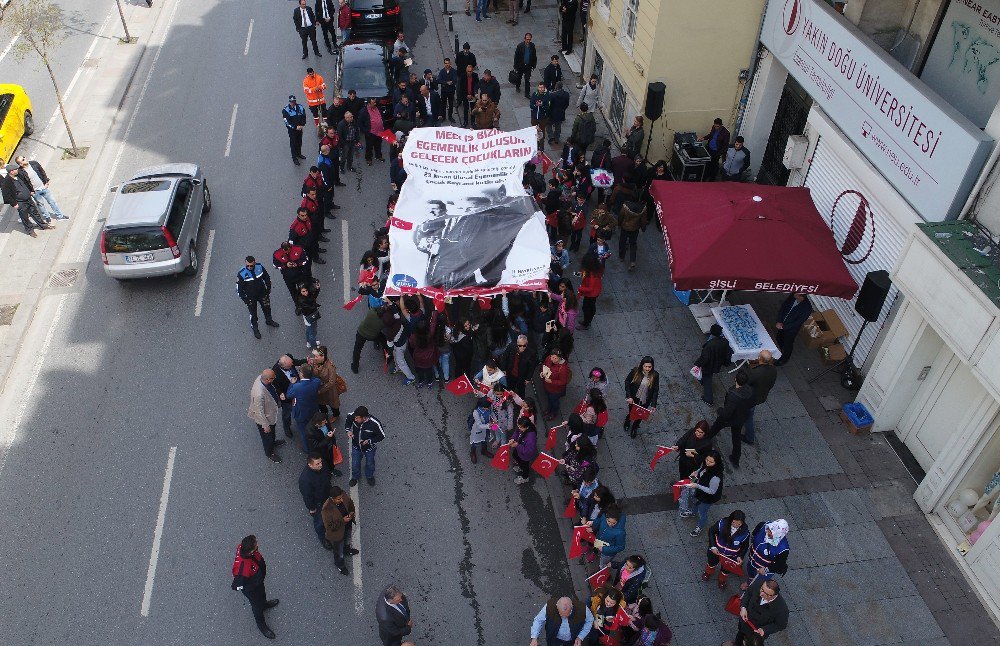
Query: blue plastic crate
x=858 y=414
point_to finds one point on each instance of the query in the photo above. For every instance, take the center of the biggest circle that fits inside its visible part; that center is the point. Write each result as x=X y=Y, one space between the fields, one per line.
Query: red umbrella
x=725 y=235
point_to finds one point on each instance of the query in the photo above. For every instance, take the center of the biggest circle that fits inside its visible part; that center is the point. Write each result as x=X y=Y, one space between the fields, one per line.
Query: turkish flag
x=550 y=439
x=439 y=302
x=660 y=452
x=544 y=465
x=485 y=302
x=460 y=386
x=638 y=412
x=581 y=534
x=679 y=487
x=600 y=577
x=389 y=136
x=400 y=224
x=543 y=160
x=501 y=460
x=622 y=618
x=731 y=566
x=570 y=511
x=483 y=388
x=349 y=305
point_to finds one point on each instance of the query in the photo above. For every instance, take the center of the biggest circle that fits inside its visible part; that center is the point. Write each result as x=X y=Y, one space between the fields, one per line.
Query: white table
x=746 y=334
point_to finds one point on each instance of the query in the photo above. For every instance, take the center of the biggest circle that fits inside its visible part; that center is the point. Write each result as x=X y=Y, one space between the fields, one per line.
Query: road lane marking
x=10 y=46
x=86 y=244
x=204 y=273
x=359 y=597
x=154 y=555
x=232 y=126
x=246 y=48
x=346 y=267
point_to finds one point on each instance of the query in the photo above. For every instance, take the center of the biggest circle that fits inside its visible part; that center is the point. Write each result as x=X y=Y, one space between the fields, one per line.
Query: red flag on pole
x=637 y=412
x=570 y=511
x=731 y=566
x=544 y=465
x=483 y=388
x=622 y=618
x=550 y=439
x=460 y=386
x=349 y=305
x=389 y=136
x=679 y=487
x=439 y=302
x=599 y=578
x=501 y=460
x=485 y=302
x=660 y=452
x=581 y=534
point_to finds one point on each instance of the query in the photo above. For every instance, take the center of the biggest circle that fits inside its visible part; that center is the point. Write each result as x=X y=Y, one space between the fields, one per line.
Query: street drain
x=7 y=314
x=64 y=278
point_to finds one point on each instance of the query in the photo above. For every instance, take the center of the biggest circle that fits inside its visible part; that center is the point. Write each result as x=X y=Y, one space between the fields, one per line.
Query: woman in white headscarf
x=768 y=551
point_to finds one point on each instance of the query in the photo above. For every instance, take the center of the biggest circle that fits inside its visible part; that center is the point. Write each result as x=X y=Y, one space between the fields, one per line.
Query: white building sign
x=928 y=151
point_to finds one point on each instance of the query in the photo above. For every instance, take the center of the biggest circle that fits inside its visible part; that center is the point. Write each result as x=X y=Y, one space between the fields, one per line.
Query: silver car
x=152 y=227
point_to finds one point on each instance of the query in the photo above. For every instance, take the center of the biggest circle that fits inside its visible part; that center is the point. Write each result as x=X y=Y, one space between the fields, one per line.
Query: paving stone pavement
x=865 y=565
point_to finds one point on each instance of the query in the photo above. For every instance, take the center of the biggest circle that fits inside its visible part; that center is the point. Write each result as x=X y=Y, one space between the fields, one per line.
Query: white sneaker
x=519 y=480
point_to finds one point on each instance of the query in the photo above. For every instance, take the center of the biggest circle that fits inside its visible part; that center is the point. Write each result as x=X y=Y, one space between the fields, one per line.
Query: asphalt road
x=131 y=372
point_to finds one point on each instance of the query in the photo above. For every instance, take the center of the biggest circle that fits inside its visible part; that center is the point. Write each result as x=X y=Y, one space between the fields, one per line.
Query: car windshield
x=145 y=186
x=368 y=80
x=133 y=240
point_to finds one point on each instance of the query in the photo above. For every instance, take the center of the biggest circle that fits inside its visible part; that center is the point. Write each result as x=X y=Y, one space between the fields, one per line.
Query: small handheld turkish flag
x=400 y=224
x=731 y=566
x=660 y=452
x=622 y=618
x=460 y=386
x=581 y=534
x=570 y=511
x=502 y=458
x=389 y=136
x=544 y=465
x=679 y=487
x=485 y=302
x=439 y=302
x=550 y=439
x=483 y=389
x=600 y=577
x=349 y=305
x=638 y=412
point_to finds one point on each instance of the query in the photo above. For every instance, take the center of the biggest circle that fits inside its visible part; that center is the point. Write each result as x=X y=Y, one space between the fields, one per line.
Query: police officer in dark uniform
x=253 y=285
x=295 y=120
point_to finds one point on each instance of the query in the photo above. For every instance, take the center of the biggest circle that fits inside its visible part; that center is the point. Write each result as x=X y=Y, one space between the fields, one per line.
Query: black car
x=375 y=17
x=363 y=66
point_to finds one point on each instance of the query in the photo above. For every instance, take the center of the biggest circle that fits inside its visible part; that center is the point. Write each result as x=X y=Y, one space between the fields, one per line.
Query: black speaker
x=654 y=100
x=872 y=296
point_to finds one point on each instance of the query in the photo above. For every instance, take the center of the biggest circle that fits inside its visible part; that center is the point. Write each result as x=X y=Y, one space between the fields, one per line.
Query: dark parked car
x=375 y=18
x=363 y=66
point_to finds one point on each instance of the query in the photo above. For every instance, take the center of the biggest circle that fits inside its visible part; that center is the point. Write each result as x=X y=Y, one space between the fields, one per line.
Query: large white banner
x=926 y=149
x=463 y=224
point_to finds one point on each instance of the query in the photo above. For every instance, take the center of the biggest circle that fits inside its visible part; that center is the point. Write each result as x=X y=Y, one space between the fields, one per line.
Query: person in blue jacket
x=729 y=538
x=791 y=317
x=303 y=395
x=610 y=532
x=768 y=551
x=253 y=286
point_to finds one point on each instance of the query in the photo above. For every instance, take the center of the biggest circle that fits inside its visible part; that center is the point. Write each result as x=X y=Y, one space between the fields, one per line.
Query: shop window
x=616 y=112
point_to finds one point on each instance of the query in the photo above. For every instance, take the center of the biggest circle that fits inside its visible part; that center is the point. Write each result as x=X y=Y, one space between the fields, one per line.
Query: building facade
x=685 y=45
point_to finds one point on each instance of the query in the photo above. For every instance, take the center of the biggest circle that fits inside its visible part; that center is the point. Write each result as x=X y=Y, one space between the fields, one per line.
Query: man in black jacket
x=733 y=413
x=253 y=286
x=392 y=612
x=364 y=431
x=762 y=606
x=552 y=74
x=18 y=194
x=791 y=317
x=249 y=572
x=763 y=374
x=429 y=109
x=326 y=15
x=558 y=103
x=715 y=354
x=518 y=362
x=525 y=60
x=490 y=86
x=447 y=79
x=567 y=20
x=304 y=19
x=285 y=374
x=314 y=485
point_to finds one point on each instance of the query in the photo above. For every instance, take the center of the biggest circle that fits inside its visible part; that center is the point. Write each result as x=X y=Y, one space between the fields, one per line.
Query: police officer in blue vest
x=253 y=285
x=295 y=120
x=567 y=622
x=729 y=538
x=768 y=551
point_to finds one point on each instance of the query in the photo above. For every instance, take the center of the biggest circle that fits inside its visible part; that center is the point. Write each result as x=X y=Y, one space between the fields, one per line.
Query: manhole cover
x=7 y=314
x=64 y=278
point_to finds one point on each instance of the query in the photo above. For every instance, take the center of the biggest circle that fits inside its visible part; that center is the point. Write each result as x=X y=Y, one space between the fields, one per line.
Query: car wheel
x=192 y=268
x=29 y=123
x=207 y=204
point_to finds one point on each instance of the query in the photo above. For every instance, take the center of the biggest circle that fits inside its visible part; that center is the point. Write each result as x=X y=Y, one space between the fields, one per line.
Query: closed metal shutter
x=867 y=235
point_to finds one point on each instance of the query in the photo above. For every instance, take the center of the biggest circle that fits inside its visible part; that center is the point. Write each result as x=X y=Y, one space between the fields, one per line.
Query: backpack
x=588 y=131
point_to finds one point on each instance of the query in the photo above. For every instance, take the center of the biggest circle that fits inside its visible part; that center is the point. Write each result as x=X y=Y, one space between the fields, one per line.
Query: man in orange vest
x=313 y=85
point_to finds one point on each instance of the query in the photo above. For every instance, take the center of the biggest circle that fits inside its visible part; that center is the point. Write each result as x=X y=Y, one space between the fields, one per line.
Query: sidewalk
x=865 y=565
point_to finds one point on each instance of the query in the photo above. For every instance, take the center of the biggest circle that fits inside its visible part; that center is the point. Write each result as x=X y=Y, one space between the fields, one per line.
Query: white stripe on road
x=154 y=555
x=86 y=242
x=10 y=46
x=346 y=267
x=204 y=273
x=232 y=126
x=359 y=597
x=246 y=48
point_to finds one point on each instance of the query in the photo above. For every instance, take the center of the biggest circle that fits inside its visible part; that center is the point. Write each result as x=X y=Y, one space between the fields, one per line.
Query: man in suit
x=304 y=19
x=392 y=612
x=733 y=413
x=305 y=402
x=763 y=374
x=791 y=317
x=468 y=83
x=525 y=60
x=447 y=79
x=430 y=112
x=326 y=16
x=285 y=374
x=761 y=605
x=264 y=412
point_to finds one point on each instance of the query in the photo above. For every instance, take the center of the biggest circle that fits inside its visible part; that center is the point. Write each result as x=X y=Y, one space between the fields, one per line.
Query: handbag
x=315 y=316
x=514 y=76
x=341 y=385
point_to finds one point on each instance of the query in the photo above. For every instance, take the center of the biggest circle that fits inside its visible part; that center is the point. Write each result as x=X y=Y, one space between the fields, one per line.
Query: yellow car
x=15 y=118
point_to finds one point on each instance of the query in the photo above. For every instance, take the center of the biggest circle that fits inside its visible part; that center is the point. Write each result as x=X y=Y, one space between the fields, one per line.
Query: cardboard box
x=833 y=354
x=823 y=329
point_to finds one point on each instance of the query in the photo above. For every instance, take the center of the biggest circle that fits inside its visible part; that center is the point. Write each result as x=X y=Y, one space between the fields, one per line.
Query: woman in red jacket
x=556 y=375
x=590 y=286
